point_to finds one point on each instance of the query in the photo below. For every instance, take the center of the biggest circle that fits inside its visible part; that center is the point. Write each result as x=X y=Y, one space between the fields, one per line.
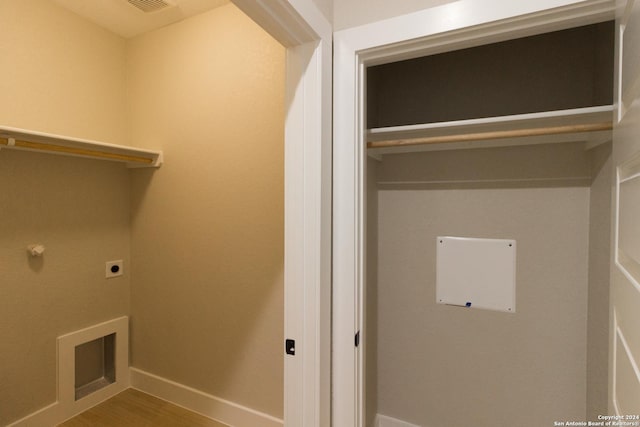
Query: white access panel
x=476 y=273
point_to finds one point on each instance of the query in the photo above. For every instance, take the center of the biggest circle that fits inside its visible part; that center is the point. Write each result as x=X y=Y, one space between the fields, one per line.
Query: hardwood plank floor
x=133 y=408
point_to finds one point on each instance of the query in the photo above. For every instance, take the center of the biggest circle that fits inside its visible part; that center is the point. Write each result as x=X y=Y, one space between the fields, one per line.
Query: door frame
x=625 y=284
x=452 y=26
x=307 y=35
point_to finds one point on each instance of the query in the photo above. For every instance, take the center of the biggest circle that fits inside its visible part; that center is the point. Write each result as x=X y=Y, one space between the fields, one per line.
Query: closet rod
x=483 y=136
x=10 y=142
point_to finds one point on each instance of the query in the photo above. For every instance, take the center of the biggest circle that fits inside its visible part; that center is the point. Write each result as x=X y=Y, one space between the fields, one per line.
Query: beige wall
x=62 y=75
x=352 y=13
x=207 y=228
x=445 y=366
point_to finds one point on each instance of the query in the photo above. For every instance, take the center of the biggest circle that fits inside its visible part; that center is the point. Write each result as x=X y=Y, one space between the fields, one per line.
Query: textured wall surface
x=443 y=365
x=63 y=75
x=207 y=228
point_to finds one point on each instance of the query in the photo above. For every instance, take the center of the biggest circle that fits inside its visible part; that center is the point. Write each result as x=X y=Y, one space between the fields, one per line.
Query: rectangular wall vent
x=93 y=365
x=149 y=5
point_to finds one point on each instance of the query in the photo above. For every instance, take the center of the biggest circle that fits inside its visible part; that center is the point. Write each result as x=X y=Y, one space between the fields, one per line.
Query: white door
x=624 y=352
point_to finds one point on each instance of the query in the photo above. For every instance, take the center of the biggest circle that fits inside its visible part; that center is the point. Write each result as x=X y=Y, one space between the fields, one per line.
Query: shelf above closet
x=591 y=125
x=21 y=139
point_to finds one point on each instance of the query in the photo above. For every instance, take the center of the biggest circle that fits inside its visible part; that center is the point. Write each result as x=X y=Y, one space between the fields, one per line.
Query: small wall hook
x=36 y=249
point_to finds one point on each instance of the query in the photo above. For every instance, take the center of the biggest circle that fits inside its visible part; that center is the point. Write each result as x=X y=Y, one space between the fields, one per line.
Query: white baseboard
x=222 y=410
x=384 y=421
x=197 y=401
x=45 y=417
x=57 y=413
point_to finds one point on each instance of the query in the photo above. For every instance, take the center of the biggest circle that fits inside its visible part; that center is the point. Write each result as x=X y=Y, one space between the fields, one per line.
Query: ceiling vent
x=150 y=5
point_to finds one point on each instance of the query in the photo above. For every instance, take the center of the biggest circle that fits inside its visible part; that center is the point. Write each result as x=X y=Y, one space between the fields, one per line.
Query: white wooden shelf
x=591 y=125
x=21 y=139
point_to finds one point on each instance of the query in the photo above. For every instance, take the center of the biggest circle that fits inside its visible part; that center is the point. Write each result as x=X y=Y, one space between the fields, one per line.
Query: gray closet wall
x=435 y=365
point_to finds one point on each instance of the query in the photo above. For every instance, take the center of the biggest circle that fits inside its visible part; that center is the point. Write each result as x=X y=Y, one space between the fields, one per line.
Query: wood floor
x=133 y=408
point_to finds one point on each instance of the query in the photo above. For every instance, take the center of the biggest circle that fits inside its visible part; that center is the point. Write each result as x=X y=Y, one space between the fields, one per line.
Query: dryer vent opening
x=95 y=365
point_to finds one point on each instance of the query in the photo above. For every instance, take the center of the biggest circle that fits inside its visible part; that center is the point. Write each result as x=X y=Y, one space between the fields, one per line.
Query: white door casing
x=302 y=29
x=451 y=26
x=624 y=347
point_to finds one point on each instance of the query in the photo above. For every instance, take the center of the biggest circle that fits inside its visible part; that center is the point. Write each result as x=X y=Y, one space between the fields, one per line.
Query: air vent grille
x=149 y=5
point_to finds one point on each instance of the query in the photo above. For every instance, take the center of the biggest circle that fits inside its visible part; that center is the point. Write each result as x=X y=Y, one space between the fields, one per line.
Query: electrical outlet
x=114 y=269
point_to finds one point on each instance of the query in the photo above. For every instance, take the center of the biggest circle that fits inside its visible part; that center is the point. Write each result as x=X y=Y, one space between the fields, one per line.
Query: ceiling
x=124 y=19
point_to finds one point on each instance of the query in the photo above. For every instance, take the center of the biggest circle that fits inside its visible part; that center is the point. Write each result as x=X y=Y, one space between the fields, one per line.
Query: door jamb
x=448 y=27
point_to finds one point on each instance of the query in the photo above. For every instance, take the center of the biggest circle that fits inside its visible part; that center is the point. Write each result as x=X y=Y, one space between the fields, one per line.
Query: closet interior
x=510 y=140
